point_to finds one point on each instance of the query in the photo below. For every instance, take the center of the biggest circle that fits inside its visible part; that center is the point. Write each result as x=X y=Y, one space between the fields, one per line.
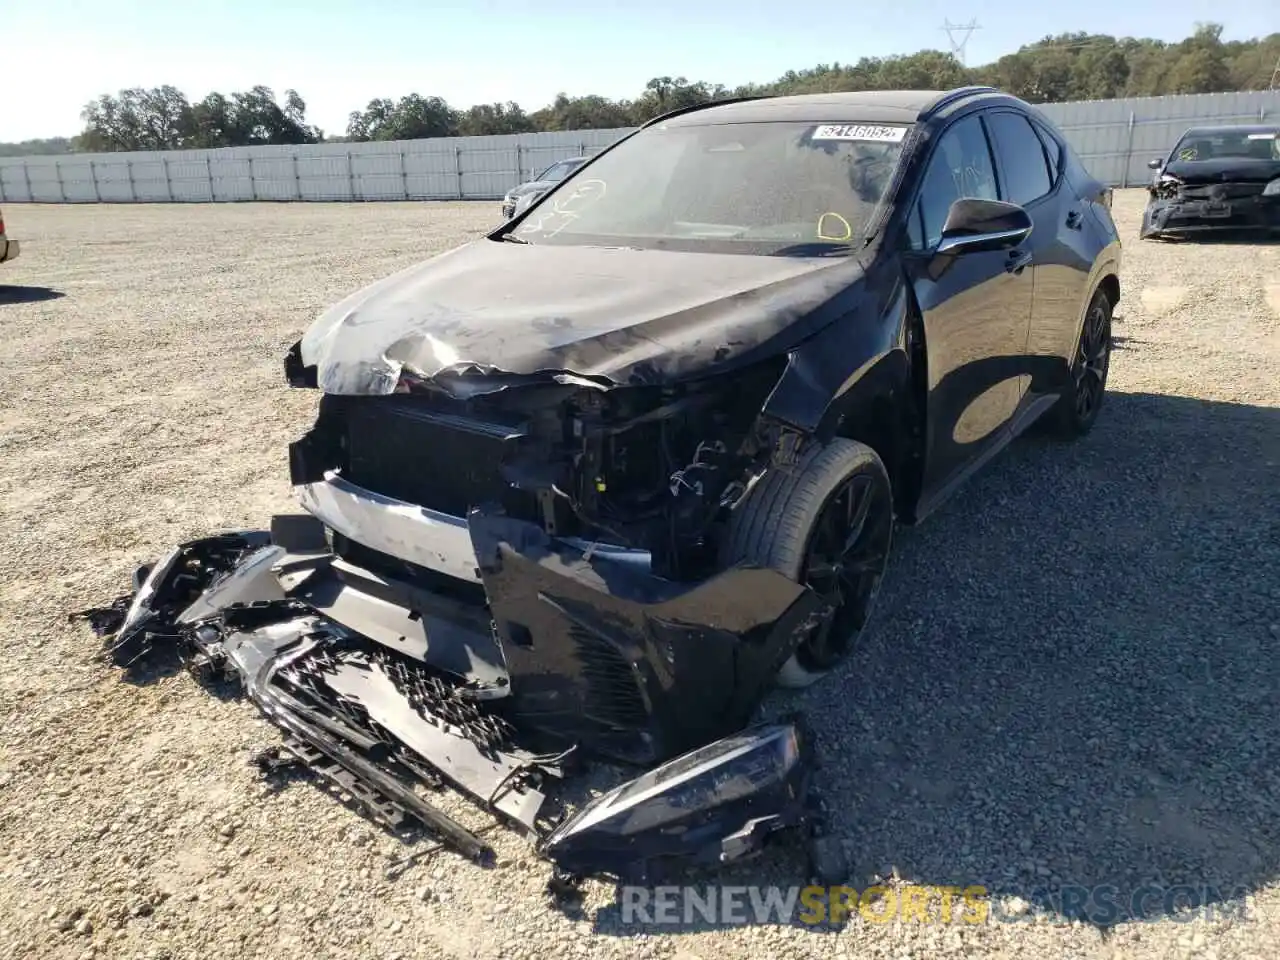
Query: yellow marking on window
x=848 y=229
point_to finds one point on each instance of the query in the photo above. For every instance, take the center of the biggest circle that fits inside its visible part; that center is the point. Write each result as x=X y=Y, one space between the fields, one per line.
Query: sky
x=339 y=54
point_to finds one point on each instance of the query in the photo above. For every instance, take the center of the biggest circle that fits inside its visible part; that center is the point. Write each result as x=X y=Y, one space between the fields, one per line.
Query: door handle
x=1017 y=260
x=1073 y=219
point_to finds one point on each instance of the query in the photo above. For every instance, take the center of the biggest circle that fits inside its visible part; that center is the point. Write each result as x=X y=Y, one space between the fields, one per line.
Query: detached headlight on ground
x=713 y=804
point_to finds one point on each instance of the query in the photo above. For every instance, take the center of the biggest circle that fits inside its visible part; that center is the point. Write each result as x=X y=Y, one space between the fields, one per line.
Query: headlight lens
x=716 y=775
x=1272 y=189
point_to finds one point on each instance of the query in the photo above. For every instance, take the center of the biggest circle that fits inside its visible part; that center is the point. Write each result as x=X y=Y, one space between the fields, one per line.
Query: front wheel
x=827 y=523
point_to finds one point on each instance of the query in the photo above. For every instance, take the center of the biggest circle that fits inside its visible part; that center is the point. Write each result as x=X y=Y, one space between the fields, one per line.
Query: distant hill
x=31 y=148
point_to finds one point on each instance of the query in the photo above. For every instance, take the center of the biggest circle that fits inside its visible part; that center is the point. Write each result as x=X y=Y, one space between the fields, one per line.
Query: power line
x=965 y=30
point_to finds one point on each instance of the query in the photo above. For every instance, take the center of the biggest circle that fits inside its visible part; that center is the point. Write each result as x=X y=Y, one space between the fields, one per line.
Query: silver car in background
x=544 y=181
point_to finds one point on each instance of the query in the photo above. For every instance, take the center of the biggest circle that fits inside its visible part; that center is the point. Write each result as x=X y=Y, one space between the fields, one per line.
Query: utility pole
x=964 y=31
x=1275 y=76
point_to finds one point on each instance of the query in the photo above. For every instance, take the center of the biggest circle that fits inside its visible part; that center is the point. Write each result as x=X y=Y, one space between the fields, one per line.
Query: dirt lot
x=1071 y=681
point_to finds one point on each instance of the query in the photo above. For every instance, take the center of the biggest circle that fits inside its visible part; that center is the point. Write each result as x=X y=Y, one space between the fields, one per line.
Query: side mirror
x=975 y=225
x=1156 y=164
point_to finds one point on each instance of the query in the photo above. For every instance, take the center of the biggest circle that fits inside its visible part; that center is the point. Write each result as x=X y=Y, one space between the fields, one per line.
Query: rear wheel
x=1080 y=403
x=828 y=524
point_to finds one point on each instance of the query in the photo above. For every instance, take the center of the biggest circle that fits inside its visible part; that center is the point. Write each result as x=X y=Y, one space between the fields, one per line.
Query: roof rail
x=699 y=106
x=951 y=96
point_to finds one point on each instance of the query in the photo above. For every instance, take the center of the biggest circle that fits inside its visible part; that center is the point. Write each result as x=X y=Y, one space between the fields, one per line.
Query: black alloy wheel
x=1093 y=356
x=844 y=564
x=1082 y=397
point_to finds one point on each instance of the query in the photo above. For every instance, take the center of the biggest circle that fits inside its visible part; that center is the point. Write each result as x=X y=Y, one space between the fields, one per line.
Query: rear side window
x=1052 y=152
x=1022 y=162
x=961 y=166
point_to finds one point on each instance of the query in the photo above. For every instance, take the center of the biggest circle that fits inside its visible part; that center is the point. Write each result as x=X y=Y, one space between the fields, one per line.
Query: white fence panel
x=193 y=181
x=274 y=178
x=230 y=178
x=151 y=179
x=13 y=183
x=324 y=178
x=432 y=175
x=79 y=183
x=1114 y=138
x=45 y=183
x=114 y=180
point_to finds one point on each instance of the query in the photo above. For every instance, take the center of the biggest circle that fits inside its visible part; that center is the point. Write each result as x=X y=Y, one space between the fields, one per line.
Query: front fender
x=832 y=375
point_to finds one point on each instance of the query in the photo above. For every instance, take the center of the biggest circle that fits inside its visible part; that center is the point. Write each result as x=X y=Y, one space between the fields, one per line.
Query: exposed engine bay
x=648 y=468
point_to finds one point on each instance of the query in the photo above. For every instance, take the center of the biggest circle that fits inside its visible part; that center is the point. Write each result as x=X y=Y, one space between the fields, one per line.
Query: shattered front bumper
x=597 y=651
x=384 y=686
x=1182 y=217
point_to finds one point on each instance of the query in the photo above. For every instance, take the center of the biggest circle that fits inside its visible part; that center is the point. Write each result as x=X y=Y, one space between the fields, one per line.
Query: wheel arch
x=863 y=382
x=1110 y=283
x=1106 y=277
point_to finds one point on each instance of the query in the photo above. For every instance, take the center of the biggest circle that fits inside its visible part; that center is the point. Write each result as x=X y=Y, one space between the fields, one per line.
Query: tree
x=1252 y=63
x=362 y=124
x=1068 y=66
x=584 y=113
x=137 y=119
x=211 y=123
x=664 y=94
x=255 y=117
x=162 y=119
x=412 y=118
x=487 y=119
x=1200 y=64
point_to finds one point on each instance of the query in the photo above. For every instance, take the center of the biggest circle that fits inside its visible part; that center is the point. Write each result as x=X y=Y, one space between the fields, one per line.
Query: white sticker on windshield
x=1264 y=136
x=860 y=131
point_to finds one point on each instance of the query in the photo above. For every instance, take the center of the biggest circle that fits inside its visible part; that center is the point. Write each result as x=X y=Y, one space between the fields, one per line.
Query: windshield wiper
x=813 y=249
x=512 y=238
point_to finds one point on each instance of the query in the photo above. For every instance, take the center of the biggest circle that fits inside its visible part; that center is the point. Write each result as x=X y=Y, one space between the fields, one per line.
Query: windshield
x=1197 y=145
x=754 y=188
x=558 y=171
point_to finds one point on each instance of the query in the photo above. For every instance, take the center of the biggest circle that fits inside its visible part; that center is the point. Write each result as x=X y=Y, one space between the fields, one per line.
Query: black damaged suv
x=649 y=439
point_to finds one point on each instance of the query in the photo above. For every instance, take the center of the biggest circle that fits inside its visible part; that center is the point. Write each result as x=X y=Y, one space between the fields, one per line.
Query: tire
x=790 y=519
x=1073 y=416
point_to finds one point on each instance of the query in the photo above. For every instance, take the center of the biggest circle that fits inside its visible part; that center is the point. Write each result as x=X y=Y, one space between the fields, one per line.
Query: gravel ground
x=1067 y=683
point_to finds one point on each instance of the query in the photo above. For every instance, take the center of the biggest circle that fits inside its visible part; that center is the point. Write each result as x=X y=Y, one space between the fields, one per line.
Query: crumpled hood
x=626 y=315
x=1234 y=170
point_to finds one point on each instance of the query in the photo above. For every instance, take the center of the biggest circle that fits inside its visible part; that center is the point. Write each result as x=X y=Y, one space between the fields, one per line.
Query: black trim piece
x=284 y=715
x=694 y=108
x=953 y=96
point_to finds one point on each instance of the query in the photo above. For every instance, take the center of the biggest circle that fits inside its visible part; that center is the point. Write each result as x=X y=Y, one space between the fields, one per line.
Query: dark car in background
x=589 y=485
x=530 y=190
x=1220 y=178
